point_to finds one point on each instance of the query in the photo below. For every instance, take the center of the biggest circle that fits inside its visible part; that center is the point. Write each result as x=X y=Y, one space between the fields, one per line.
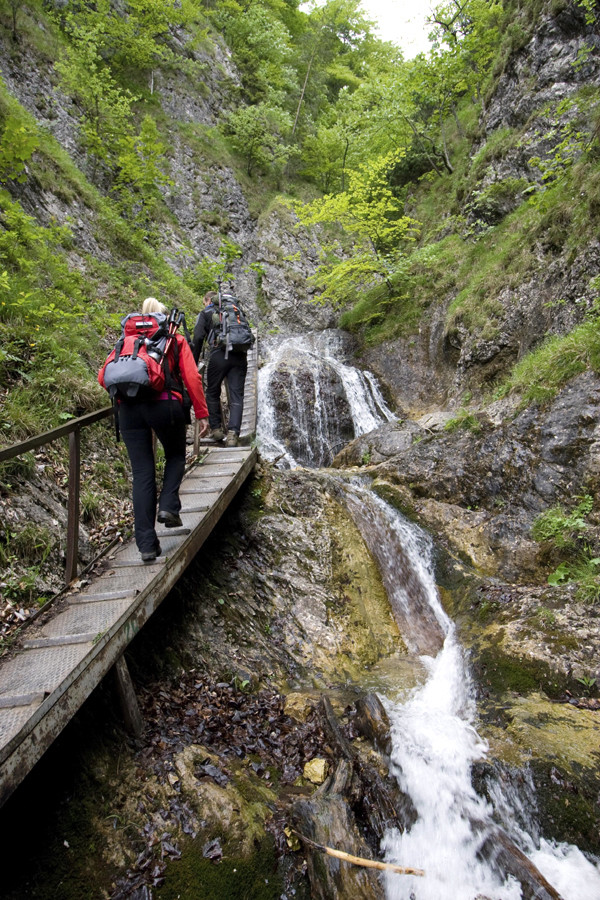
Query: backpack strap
x=118 y=348
x=183 y=323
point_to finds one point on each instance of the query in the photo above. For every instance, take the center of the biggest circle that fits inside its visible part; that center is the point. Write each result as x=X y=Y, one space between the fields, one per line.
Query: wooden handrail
x=73 y=430
x=48 y=436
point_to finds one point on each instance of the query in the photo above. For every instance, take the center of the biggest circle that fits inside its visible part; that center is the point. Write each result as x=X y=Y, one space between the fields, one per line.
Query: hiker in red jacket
x=164 y=414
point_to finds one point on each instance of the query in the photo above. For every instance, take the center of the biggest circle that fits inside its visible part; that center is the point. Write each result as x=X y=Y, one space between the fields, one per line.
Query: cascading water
x=312 y=404
x=435 y=744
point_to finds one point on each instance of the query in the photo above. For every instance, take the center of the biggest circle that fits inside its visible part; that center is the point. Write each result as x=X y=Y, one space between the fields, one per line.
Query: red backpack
x=138 y=360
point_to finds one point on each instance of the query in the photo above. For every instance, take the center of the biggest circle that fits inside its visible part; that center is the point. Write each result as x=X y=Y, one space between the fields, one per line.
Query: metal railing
x=73 y=430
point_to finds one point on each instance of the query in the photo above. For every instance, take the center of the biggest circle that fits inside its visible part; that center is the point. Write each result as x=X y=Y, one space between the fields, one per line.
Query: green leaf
x=560 y=575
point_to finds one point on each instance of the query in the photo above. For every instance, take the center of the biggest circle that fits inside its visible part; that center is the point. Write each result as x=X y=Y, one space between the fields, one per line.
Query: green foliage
x=492 y=203
x=369 y=211
x=262 y=49
x=141 y=169
x=561 y=527
x=589 y=685
x=379 y=315
x=583 y=571
x=16 y=469
x=132 y=35
x=538 y=377
x=591 y=11
x=258 y=133
x=107 y=107
x=208 y=272
x=18 y=142
x=322 y=157
x=567 y=532
x=463 y=420
x=570 y=137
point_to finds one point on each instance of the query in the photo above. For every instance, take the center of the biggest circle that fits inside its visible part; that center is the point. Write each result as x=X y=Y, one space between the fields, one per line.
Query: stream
x=312 y=403
x=434 y=725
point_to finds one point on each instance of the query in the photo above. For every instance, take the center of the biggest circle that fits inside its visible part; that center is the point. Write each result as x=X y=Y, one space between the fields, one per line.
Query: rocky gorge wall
x=540 y=97
x=294 y=597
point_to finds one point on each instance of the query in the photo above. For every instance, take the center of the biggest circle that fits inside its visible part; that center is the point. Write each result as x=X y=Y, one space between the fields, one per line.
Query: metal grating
x=12 y=720
x=34 y=671
x=83 y=618
x=98 y=596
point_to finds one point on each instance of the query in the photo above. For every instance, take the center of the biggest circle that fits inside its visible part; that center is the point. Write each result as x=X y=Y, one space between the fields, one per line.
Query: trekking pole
x=174 y=320
x=224 y=327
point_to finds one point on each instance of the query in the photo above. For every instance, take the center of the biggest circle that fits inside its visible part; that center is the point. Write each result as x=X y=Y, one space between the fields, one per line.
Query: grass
x=539 y=376
x=379 y=315
x=463 y=420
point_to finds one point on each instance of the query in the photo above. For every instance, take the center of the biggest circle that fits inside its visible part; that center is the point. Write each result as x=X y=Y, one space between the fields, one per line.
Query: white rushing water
x=315 y=418
x=435 y=743
x=434 y=734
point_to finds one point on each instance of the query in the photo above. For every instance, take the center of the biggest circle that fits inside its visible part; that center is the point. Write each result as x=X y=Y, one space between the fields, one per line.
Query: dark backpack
x=231 y=328
x=138 y=361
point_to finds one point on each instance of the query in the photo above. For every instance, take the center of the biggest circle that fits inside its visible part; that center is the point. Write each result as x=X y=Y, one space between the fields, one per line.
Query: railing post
x=73 y=505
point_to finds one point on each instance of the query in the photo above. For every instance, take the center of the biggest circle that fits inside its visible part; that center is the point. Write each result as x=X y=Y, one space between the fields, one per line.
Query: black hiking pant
x=137 y=420
x=234 y=370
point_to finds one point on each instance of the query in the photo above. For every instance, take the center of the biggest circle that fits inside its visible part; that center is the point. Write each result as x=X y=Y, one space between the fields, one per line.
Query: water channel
x=431 y=703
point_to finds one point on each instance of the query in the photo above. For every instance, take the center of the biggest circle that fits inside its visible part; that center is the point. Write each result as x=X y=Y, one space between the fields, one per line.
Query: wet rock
x=372 y=792
x=483 y=488
x=326 y=820
x=372 y=721
x=506 y=857
x=299 y=706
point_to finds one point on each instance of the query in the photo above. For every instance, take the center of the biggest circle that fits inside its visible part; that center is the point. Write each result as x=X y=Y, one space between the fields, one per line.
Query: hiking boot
x=217 y=434
x=169 y=519
x=232 y=439
x=150 y=555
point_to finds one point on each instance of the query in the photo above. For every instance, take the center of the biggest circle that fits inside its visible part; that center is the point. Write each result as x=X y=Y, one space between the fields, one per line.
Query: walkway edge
x=26 y=747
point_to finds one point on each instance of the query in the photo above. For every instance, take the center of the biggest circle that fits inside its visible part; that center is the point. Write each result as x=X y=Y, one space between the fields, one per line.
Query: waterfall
x=309 y=402
x=312 y=404
x=435 y=743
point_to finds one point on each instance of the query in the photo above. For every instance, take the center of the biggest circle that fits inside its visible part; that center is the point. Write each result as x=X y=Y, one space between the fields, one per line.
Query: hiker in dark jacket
x=164 y=415
x=221 y=365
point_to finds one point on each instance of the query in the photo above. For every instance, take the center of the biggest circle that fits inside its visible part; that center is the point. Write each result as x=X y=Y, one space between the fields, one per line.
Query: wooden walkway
x=67 y=651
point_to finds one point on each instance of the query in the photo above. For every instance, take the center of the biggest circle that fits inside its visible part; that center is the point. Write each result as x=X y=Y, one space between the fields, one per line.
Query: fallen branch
x=359 y=860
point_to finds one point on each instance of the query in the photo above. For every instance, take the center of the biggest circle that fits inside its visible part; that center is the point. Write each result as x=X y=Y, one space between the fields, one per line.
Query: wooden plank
x=43 y=687
x=21 y=753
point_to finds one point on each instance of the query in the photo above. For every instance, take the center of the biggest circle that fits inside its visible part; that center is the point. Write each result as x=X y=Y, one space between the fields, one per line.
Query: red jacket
x=191 y=378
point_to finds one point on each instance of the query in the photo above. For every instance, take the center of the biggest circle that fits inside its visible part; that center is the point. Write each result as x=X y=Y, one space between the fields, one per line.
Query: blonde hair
x=151 y=304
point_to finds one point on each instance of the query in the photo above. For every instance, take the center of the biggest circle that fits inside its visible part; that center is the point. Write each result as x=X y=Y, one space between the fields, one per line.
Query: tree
x=262 y=49
x=322 y=157
x=370 y=213
x=332 y=54
x=107 y=115
x=132 y=34
x=141 y=169
x=258 y=133
x=19 y=141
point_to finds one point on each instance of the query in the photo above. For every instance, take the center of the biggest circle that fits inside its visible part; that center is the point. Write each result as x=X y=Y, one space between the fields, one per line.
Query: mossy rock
x=194 y=877
x=499 y=673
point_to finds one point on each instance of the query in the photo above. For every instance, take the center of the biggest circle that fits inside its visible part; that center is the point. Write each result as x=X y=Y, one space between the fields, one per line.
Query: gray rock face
x=546 y=68
x=282 y=606
x=205 y=198
x=289 y=257
x=507 y=473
